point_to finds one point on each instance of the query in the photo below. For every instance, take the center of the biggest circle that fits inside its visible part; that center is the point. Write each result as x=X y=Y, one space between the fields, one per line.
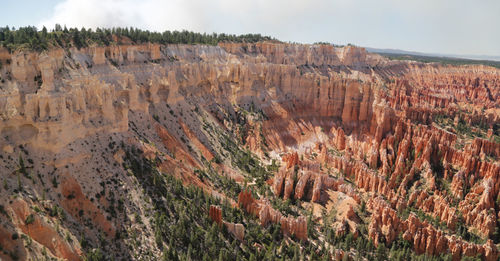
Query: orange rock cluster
x=237 y=230
x=267 y=214
x=304 y=184
x=428 y=147
x=426 y=239
x=215 y=213
x=435 y=205
x=399 y=153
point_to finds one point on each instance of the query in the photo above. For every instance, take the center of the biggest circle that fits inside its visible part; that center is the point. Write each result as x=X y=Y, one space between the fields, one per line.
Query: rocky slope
x=389 y=151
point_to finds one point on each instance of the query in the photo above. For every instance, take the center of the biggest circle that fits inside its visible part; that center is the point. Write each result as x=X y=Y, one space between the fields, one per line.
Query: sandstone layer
x=413 y=141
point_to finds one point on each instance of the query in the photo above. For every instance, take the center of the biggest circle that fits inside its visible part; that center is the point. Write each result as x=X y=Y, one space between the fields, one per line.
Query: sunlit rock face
x=345 y=127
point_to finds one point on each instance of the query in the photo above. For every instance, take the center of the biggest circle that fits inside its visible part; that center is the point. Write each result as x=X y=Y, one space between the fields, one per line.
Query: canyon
x=307 y=136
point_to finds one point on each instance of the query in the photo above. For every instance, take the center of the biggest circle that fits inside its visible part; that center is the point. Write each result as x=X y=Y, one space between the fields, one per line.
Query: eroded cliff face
x=347 y=127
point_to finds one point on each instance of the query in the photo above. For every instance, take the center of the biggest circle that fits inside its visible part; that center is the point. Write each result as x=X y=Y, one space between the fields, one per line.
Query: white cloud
x=147 y=14
x=449 y=26
x=200 y=15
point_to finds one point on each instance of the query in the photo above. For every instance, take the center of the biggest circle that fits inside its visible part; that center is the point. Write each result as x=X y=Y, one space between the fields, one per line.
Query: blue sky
x=434 y=26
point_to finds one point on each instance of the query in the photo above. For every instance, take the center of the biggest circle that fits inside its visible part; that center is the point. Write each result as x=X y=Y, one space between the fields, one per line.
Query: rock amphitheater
x=406 y=149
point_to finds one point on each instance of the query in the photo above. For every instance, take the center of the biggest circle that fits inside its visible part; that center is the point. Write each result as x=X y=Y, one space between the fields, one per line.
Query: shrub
x=29 y=219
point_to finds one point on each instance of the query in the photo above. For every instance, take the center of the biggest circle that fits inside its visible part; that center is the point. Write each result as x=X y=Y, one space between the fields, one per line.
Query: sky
x=463 y=27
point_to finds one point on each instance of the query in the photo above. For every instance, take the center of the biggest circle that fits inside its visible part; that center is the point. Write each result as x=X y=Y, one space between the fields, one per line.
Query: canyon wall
x=417 y=137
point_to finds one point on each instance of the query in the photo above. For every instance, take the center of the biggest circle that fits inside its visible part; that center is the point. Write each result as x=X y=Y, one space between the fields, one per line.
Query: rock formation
x=237 y=230
x=265 y=213
x=396 y=135
x=215 y=213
